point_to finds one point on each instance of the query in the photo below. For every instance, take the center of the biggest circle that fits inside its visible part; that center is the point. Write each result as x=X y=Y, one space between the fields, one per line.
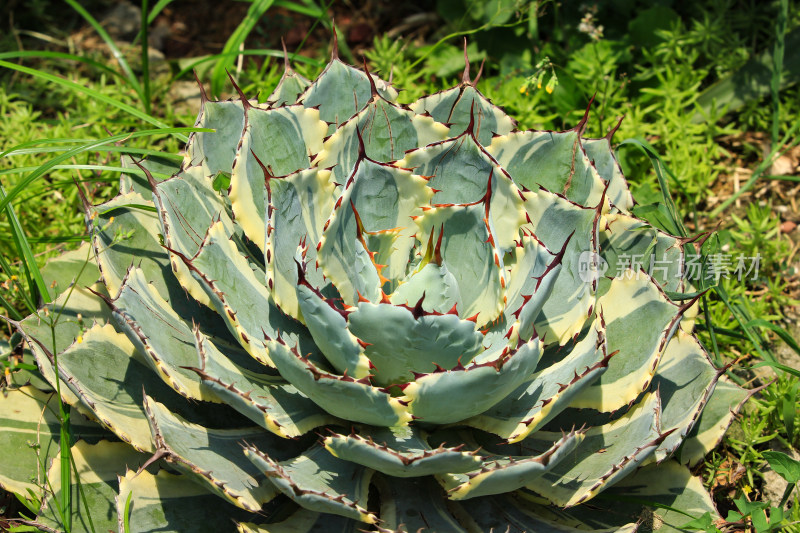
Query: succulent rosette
x=338 y=313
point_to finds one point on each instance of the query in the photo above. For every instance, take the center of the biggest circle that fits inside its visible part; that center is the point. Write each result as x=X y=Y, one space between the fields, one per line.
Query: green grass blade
x=126 y=519
x=737 y=314
x=93 y=94
x=711 y=333
x=782 y=333
x=267 y=52
x=43 y=169
x=66 y=459
x=82 y=494
x=777 y=68
x=145 y=58
x=308 y=10
x=32 y=272
x=328 y=24
x=44 y=54
x=12 y=312
x=143 y=207
x=661 y=170
x=789 y=370
x=789 y=413
x=27 y=147
x=235 y=41
x=31 y=305
x=58 y=240
x=115 y=51
x=94 y=168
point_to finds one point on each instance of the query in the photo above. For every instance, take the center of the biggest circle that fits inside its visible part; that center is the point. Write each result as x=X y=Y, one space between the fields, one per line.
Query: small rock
x=185 y=96
x=774 y=487
x=788 y=226
x=122 y=22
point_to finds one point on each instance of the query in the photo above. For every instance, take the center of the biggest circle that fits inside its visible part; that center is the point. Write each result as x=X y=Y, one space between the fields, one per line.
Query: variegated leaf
x=318 y=481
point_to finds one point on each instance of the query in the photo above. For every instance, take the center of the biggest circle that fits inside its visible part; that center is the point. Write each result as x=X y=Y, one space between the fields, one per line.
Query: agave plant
x=338 y=313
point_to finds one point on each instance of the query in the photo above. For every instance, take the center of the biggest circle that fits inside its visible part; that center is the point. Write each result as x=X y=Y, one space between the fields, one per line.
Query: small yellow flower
x=539 y=85
x=549 y=89
x=522 y=90
x=13 y=278
x=111 y=220
x=79 y=339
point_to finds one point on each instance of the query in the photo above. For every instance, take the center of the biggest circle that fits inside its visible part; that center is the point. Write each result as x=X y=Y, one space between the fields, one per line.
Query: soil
x=190 y=28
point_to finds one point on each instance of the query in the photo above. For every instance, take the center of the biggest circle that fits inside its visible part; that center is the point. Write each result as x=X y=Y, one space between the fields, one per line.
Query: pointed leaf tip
x=465 y=77
x=242 y=97
x=372 y=86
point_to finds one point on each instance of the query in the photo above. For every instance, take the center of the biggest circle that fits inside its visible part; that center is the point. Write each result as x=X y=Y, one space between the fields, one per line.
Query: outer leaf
x=121 y=226
x=299 y=205
x=295 y=133
x=171 y=503
x=142 y=314
x=377 y=199
x=214 y=457
x=604 y=160
x=340 y=91
x=460 y=170
x=631 y=371
x=502 y=474
x=553 y=160
x=187 y=206
x=717 y=415
x=630 y=243
x=266 y=399
x=75 y=267
x=239 y=294
x=215 y=152
x=399 y=452
x=685 y=380
x=75 y=311
x=30 y=431
x=512 y=513
x=667 y=484
x=97 y=467
x=383 y=131
x=462 y=105
x=108 y=375
x=305 y=521
x=320 y=482
x=547 y=392
x=418 y=504
x=606 y=455
x=555 y=220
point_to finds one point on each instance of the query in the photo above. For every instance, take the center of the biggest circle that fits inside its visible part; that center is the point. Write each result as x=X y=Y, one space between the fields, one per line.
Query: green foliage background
x=688 y=77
